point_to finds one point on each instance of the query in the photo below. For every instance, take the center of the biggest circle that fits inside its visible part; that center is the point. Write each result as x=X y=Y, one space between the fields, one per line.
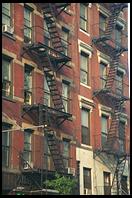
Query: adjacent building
x=65 y=96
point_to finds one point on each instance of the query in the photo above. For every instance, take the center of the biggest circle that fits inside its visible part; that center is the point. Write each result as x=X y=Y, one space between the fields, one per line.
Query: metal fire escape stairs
x=50 y=57
x=102 y=45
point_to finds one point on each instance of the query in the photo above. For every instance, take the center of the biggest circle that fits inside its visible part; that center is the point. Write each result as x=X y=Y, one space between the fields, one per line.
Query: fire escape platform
x=32 y=110
x=41 y=50
x=108 y=45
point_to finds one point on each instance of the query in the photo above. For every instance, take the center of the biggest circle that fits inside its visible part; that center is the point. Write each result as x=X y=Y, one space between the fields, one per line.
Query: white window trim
x=88 y=34
x=121 y=70
x=85 y=85
x=101 y=58
x=84 y=47
x=104 y=110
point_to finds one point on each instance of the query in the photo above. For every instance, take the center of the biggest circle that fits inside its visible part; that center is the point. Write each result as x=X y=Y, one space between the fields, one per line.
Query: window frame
x=26 y=27
x=28 y=91
x=84 y=18
x=103 y=18
x=28 y=151
x=47 y=94
x=122 y=135
x=87 y=180
x=65 y=41
x=103 y=77
x=65 y=99
x=6 y=15
x=66 y=156
x=82 y=70
x=119 y=82
x=104 y=134
x=6 y=148
x=7 y=82
x=107 y=185
x=85 y=130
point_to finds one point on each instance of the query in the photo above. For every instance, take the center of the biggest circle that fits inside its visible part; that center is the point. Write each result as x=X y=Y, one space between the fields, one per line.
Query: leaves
x=63 y=184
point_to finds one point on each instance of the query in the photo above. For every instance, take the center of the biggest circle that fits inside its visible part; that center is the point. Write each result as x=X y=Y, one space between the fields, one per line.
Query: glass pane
x=65 y=103
x=28 y=79
x=84 y=62
x=27 y=32
x=27 y=156
x=85 y=135
x=6 y=8
x=83 y=11
x=46 y=87
x=66 y=148
x=6 y=20
x=84 y=77
x=5 y=138
x=6 y=73
x=5 y=156
x=27 y=14
x=102 y=21
x=84 y=117
x=65 y=90
x=27 y=137
x=83 y=24
x=104 y=124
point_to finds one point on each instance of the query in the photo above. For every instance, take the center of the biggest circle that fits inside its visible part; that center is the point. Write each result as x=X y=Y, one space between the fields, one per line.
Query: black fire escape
x=51 y=60
x=106 y=95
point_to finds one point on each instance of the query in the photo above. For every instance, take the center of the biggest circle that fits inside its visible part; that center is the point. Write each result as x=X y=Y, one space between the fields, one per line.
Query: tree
x=65 y=185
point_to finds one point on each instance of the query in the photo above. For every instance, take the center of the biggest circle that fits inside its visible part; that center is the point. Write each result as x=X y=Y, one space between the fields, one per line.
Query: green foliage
x=63 y=184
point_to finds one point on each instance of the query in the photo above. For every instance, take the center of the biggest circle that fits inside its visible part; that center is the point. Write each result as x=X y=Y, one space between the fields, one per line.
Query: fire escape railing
x=51 y=58
x=106 y=43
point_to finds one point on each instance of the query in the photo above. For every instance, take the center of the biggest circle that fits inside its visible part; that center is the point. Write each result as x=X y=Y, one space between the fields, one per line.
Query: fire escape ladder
x=115 y=11
x=60 y=7
x=56 y=97
x=114 y=127
x=116 y=186
x=50 y=19
x=112 y=72
x=53 y=144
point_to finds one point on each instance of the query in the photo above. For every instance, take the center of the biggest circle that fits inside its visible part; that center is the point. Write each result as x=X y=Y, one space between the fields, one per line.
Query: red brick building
x=65 y=95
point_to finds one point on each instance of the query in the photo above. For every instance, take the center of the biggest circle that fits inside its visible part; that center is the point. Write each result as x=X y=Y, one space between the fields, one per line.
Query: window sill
x=86 y=146
x=9 y=36
x=84 y=32
x=8 y=99
x=85 y=86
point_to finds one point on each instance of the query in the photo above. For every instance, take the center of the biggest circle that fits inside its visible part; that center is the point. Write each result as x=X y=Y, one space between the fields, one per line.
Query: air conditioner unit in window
x=7 y=29
x=71 y=171
x=27 y=165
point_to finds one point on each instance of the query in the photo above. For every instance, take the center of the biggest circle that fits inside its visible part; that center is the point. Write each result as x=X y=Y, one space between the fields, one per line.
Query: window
x=83 y=17
x=28 y=85
x=119 y=83
x=47 y=97
x=65 y=38
x=6 y=77
x=87 y=180
x=47 y=39
x=27 y=25
x=122 y=135
x=118 y=35
x=65 y=95
x=107 y=187
x=124 y=185
x=103 y=74
x=102 y=24
x=84 y=78
x=6 y=14
x=27 y=145
x=104 y=129
x=47 y=155
x=66 y=152
x=85 y=117
x=5 y=144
